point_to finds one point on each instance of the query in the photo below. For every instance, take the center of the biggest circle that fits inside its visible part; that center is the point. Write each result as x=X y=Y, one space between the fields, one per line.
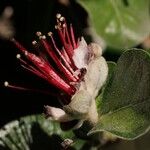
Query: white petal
x=92 y=114
x=79 y=105
x=57 y=114
x=80 y=56
x=96 y=75
x=95 y=49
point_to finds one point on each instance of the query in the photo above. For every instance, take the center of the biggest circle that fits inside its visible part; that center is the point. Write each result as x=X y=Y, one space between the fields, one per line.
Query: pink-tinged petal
x=57 y=114
x=80 y=56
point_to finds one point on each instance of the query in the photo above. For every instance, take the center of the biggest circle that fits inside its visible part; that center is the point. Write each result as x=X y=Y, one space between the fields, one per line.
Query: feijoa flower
x=81 y=71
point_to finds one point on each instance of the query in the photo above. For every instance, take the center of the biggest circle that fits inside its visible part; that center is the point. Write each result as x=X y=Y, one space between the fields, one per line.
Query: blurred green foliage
x=121 y=23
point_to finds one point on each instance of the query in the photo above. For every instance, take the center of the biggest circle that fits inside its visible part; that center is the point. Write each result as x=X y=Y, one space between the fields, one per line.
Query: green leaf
x=35 y=132
x=141 y=143
x=124 y=109
x=121 y=23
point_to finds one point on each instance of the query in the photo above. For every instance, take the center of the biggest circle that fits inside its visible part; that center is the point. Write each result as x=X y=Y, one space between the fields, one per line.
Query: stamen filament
x=6 y=84
x=34 y=72
x=39 y=65
x=29 y=67
x=18 y=45
x=66 y=46
x=73 y=37
x=64 y=53
x=61 y=55
x=51 y=74
x=57 y=61
x=68 y=38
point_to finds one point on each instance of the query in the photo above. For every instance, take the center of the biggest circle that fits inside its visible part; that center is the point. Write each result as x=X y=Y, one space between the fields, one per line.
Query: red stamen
x=57 y=61
x=61 y=55
x=36 y=47
x=29 y=67
x=67 y=47
x=18 y=45
x=6 y=84
x=50 y=74
x=65 y=38
x=40 y=66
x=68 y=37
x=73 y=37
x=36 y=72
x=64 y=53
